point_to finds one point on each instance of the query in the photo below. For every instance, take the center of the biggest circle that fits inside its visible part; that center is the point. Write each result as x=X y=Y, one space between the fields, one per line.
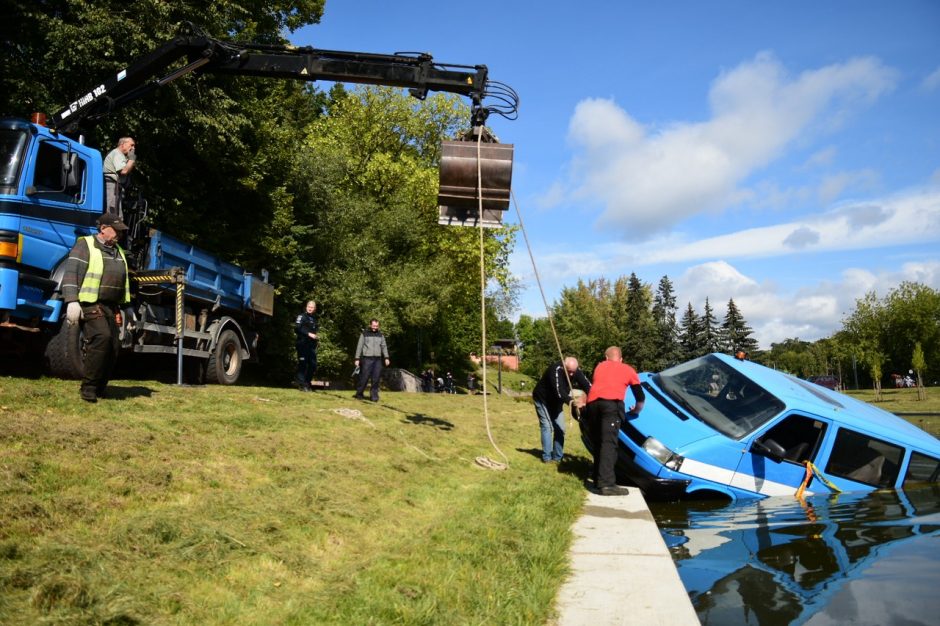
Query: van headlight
x=661 y=453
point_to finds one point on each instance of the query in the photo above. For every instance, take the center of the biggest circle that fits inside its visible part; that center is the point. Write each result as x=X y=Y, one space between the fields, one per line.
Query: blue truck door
x=800 y=436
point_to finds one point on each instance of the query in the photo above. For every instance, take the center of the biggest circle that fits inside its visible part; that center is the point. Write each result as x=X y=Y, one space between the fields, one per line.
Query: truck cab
x=51 y=192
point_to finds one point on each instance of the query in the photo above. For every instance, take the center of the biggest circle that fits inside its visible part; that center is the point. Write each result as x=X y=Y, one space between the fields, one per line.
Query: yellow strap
x=811 y=470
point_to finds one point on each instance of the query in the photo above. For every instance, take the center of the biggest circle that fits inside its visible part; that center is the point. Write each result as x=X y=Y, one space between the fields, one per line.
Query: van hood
x=661 y=418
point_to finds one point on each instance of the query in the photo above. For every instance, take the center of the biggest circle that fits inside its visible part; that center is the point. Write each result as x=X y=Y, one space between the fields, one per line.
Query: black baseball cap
x=109 y=219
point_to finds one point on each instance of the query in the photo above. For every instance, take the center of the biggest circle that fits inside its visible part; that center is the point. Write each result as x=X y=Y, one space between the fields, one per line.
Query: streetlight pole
x=499 y=370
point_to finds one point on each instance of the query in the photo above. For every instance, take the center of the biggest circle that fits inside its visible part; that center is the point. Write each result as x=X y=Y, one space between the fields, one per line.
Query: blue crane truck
x=51 y=193
x=185 y=300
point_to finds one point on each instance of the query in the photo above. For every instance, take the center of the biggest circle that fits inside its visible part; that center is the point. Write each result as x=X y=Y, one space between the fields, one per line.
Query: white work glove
x=73 y=312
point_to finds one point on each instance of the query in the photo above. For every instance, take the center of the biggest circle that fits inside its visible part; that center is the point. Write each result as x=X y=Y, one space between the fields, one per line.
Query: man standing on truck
x=117 y=166
x=95 y=284
x=371 y=351
x=306 y=328
x=605 y=413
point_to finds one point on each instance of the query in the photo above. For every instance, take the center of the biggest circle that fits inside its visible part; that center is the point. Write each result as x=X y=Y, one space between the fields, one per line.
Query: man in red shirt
x=605 y=413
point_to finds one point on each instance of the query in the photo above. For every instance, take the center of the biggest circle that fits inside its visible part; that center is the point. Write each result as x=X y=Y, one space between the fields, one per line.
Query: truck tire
x=65 y=353
x=225 y=362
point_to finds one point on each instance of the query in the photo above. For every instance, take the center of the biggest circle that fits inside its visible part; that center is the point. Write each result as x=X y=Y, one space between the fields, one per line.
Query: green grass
x=905 y=401
x=250 y=505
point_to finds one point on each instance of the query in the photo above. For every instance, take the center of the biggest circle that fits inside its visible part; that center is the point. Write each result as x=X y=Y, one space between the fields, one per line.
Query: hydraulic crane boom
x=419 y=73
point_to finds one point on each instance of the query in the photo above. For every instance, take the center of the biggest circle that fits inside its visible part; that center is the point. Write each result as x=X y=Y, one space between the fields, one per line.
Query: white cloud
x=833 y=185
x=809 y=313
x=913 y=217
x=932 y=81
x=821 y=158
x=648 y=180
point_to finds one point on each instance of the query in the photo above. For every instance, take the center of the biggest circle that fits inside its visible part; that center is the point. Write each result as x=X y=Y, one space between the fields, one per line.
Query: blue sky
x=784 y=154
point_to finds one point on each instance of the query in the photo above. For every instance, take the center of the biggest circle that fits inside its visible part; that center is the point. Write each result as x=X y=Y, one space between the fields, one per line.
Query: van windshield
x=719 y=395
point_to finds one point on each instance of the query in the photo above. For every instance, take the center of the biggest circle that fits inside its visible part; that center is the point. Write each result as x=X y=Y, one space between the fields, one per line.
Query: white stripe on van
x=737 y=480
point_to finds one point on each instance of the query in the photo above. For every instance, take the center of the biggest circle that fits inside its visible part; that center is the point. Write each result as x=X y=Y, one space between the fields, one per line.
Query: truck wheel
x=65 y=352
x=225 y=362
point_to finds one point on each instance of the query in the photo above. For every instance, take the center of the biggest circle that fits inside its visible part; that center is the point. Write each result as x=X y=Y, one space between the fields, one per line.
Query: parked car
x=829 y=382
x=753 y=436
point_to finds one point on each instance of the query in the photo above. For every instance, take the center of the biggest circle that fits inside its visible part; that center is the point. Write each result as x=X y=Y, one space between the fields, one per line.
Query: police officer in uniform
x=95 y=284
x=306 y=328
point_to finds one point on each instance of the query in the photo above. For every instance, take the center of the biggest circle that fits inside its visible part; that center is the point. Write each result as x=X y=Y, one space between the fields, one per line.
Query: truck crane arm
x=417 y=72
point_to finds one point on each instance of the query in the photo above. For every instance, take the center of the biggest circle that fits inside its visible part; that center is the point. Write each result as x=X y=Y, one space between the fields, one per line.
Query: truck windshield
x=12 y=144
x=719 y=395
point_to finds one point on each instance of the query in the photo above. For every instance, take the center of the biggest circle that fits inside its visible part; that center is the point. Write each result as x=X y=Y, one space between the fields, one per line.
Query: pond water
x=853 y=558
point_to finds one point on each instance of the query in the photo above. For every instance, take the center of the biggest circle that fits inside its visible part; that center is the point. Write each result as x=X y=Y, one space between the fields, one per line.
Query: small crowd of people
x=431 y=383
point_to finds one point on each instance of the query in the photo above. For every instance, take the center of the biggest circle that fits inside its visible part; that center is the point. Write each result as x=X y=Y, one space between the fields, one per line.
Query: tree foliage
x=333 y=193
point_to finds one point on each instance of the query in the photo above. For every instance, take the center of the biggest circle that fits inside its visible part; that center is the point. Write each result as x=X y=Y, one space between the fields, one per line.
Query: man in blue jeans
x=550 y=395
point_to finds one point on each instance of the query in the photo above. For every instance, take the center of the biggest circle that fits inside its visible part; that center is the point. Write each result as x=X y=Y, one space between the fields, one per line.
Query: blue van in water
x=720 y=427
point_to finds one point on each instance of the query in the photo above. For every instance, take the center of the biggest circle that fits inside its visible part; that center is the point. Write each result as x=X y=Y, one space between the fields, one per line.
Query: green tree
x=735 y=332
x=711 y=333
x=637 y=323
x=919 y=364
x=690 y=334
x=668 y=351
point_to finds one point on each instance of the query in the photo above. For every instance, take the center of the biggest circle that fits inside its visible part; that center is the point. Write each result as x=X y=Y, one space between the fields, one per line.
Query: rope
x=548 y=311
x=481 y=460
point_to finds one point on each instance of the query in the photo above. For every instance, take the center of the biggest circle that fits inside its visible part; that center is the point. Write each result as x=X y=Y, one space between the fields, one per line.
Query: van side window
x=798 y=435
x=921 y=469
x=48 y=175
x=861 y=458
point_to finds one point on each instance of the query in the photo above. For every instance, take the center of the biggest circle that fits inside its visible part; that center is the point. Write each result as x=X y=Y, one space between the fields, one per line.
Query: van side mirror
x=770 y=449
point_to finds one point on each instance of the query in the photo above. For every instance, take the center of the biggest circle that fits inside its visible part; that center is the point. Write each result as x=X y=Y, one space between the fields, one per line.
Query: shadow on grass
x=426 y=420
x=575 y=465
x=124 y=393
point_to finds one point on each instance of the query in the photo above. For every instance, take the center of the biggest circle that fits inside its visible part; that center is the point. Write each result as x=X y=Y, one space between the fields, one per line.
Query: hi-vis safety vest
x=89 y=289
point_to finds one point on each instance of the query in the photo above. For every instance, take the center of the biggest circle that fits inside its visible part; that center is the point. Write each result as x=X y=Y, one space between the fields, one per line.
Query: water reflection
x=870 y=558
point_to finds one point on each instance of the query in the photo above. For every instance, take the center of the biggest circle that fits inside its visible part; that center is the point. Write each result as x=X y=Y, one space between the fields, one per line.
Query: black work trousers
x=306 y=362
x=369 y=367
x=605 y=418
x=102 y=347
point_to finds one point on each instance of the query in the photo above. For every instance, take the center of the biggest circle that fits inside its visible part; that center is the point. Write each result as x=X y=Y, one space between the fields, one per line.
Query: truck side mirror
x=70 y=171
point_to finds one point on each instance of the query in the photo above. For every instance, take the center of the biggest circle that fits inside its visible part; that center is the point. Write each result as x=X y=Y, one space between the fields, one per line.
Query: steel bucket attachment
x=457 y=199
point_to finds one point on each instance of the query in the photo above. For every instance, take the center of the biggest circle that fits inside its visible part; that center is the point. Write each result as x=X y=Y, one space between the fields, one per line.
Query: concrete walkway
x=621 y=571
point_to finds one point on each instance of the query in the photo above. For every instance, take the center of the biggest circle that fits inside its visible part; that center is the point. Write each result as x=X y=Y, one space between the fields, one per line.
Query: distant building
x=504 y=350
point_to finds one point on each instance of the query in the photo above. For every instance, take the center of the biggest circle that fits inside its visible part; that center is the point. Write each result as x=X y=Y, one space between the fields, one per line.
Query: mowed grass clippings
x=250 y=505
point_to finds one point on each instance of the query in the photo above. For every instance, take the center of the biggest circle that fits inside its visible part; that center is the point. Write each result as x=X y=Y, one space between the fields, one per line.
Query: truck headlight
x=661 y=453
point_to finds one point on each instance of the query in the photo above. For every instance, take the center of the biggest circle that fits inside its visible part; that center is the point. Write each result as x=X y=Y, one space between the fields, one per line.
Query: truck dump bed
x=208 y=278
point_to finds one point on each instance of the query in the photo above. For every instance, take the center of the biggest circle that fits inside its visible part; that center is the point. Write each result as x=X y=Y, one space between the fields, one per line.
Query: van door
x=773 y=462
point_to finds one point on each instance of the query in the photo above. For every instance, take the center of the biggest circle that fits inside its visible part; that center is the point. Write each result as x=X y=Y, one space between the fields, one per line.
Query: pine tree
x=639 y=325
x=668 y=351
x=735 y=333
x=690 y=334
x=711 y=334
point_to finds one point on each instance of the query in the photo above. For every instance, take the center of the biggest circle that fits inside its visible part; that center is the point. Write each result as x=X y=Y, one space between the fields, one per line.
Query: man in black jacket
x=550 y=395
x=306 y=328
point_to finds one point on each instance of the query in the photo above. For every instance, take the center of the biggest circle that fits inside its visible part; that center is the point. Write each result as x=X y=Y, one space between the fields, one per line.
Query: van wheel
x=65 y=352
x=225 y=362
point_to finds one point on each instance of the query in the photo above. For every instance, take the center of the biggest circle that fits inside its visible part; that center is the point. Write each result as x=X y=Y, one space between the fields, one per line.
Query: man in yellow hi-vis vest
x=95 y=284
